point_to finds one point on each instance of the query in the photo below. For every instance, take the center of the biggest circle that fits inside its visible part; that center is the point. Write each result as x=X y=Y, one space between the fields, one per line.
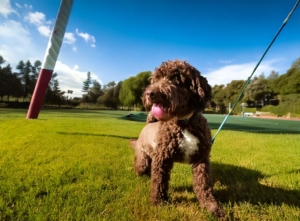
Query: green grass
x=77 y=165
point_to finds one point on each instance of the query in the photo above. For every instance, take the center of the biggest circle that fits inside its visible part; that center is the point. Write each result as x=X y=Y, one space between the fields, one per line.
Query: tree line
x=274 y=92
x=282 y=91
x=114 y=95
x=20 y=84
x=279 y=94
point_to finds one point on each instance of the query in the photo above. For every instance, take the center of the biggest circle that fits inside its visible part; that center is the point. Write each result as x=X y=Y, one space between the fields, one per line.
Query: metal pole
x=50 y=58
x=243 y=110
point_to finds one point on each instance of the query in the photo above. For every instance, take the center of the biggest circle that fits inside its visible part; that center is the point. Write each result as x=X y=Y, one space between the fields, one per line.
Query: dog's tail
x=132 y=143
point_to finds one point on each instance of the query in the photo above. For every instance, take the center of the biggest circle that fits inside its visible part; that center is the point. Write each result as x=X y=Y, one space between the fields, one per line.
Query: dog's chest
x=188 y=145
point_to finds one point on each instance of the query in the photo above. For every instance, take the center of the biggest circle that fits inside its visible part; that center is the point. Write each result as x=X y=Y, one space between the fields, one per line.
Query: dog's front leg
x=203 y=188
x=160 y=176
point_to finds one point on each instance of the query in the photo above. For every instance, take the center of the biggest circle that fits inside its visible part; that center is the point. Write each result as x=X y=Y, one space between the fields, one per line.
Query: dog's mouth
x=157 y=110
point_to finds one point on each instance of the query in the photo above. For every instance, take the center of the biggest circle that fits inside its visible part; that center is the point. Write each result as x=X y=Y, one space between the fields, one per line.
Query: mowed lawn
x=77 y=165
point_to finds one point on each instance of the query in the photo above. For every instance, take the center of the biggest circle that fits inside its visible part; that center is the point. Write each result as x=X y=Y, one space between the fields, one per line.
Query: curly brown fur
x=181 y=135
x=179 y=87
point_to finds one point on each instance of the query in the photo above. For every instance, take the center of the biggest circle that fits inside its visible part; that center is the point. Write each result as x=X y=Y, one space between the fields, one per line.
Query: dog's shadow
x=233 y=184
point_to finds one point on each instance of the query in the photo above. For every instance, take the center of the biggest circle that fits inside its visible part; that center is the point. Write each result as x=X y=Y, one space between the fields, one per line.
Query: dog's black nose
x=150 y=94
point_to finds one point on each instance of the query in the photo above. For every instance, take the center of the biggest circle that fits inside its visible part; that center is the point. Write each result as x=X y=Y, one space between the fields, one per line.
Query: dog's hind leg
x=142 y=163
x=203 y=189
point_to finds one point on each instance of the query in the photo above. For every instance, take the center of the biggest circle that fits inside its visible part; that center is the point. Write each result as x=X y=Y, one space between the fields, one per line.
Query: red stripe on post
x=39 y=94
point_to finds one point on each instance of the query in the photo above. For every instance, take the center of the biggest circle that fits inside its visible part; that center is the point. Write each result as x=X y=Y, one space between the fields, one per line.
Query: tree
x=109 y=85
x=56 y=88
x=5 y=80
x=288 y=83
x=296 y=64
x=218 y=99
x=36 y=68
x=87 y=83
x=86 y=86
x=233 y=90
x=16 y=86
x=53 y=93
x=107 y=99
x=132 y=89
x=9 y=81
x=53 y=78
x=2 y=78
x=35 y=73
x=95 y=91
x=141 y=81
x=219 y=95
x=223 y=95
x=110 y=95
x=260 y=90
x=273 y=75
x=117 y=92
x=10 y=84
x=127 y=96
x=24 y=73
x=68 y=98
x=2 y=61
x=57 y=93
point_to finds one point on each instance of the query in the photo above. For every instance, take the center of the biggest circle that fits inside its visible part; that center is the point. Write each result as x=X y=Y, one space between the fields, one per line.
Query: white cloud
x=72 y=79
x=19 y=6
x=13 y=31
x=87 y=37
x=226 y=74
x=227 y=61
x=14 y=53
x=5 y=8
x=74 y=48
x=16 y=43
x=93 y=45
x=69 y=38
x=6 y=53
x=44 y=30
x=39 y=20
x=36 y=18
x=28 y=6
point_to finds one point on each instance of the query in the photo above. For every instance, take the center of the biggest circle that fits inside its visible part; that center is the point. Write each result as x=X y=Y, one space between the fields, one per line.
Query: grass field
x=77 y=165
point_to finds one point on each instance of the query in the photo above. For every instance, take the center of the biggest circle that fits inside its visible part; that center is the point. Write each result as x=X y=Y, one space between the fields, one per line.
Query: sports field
x=77 y=165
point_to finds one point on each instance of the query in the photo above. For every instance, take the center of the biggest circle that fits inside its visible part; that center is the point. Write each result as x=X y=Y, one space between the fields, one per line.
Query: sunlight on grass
x=77 y=165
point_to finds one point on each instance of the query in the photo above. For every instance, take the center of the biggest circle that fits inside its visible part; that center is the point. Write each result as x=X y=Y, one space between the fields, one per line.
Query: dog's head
x=177 y=89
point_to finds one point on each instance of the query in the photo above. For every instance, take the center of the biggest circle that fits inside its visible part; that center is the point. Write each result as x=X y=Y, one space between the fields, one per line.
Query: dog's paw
x=219 y=214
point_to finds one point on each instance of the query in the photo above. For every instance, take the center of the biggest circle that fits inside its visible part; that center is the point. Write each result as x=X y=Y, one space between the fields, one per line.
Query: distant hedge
x=288 y=104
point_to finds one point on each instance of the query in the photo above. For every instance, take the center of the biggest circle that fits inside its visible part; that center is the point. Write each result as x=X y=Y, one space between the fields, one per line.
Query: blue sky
x=116 y=39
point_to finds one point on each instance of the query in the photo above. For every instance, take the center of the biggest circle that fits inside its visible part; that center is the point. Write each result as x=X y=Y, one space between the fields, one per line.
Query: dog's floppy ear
x=204 y=91
x=132 y=143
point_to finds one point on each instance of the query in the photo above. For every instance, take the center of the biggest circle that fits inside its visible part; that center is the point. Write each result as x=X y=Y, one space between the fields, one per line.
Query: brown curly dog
x=176 y=132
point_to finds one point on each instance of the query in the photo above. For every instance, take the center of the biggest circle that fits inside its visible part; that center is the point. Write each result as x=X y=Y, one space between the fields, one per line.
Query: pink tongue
x=157 y=111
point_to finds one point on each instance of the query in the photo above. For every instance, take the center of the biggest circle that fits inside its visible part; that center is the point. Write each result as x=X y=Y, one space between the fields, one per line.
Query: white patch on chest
x=188 y=145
